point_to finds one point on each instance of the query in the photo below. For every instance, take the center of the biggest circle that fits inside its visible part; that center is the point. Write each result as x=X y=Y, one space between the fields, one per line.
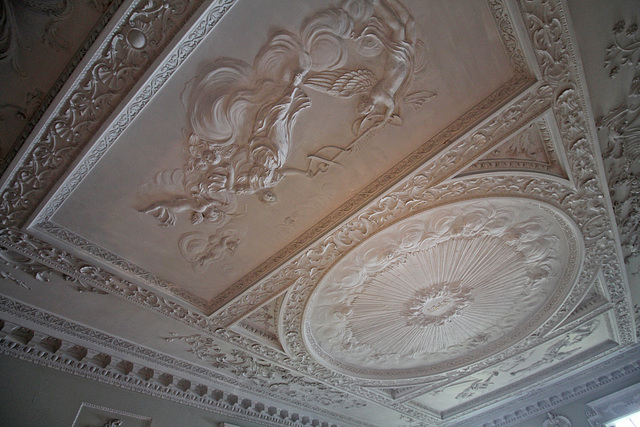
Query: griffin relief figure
x=241 y=117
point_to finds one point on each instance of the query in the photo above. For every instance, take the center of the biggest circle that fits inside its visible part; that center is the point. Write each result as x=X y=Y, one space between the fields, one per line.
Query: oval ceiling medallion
x=442 y=289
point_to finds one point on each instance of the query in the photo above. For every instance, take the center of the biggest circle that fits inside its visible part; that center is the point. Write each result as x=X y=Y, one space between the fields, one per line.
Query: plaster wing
x=367 y=212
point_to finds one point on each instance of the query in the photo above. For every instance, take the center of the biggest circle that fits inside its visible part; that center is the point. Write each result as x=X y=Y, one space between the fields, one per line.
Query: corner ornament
x=241 y=117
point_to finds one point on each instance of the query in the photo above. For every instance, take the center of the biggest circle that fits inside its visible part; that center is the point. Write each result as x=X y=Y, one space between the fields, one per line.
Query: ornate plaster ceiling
x=360 y=212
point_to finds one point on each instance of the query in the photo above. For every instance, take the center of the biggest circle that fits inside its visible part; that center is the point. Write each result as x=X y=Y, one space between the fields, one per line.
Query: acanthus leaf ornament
x=41 y=272
x=625 y=49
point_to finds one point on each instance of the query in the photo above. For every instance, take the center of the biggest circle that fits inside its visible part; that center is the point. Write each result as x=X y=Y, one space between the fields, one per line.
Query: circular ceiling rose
x=442 y=289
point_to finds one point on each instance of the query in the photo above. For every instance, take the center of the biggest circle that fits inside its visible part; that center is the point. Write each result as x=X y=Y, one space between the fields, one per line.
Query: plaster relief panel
x=485 y=385
x=257 y=140
x=442 y=288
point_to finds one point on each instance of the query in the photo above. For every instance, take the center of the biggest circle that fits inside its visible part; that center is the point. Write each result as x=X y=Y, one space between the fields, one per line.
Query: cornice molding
x=83 y=351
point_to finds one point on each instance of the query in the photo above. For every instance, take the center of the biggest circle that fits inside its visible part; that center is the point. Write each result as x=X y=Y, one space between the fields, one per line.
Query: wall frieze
x=621 y=148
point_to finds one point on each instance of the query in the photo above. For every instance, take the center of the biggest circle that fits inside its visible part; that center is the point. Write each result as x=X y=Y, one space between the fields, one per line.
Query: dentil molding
x=96 y=355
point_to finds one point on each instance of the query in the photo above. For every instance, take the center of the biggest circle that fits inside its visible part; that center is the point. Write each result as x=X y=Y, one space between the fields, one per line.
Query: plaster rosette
x=443 y=288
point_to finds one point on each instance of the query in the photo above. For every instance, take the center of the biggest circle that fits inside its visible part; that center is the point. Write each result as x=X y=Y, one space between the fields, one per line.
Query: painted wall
x=36 y=396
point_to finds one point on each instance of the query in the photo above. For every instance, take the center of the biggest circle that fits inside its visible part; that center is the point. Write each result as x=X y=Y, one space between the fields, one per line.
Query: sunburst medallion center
x=436 y=305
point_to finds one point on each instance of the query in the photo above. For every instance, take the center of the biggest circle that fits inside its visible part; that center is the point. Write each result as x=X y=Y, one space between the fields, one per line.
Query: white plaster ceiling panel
x=358 y=213
x=239 y=154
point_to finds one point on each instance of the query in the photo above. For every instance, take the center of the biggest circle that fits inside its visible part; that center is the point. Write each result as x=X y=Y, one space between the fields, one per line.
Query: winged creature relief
x=241 y=117
x=201 y=252
x=556 y=352
x=561 y=349
x=474 y=386
x=477 y=386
